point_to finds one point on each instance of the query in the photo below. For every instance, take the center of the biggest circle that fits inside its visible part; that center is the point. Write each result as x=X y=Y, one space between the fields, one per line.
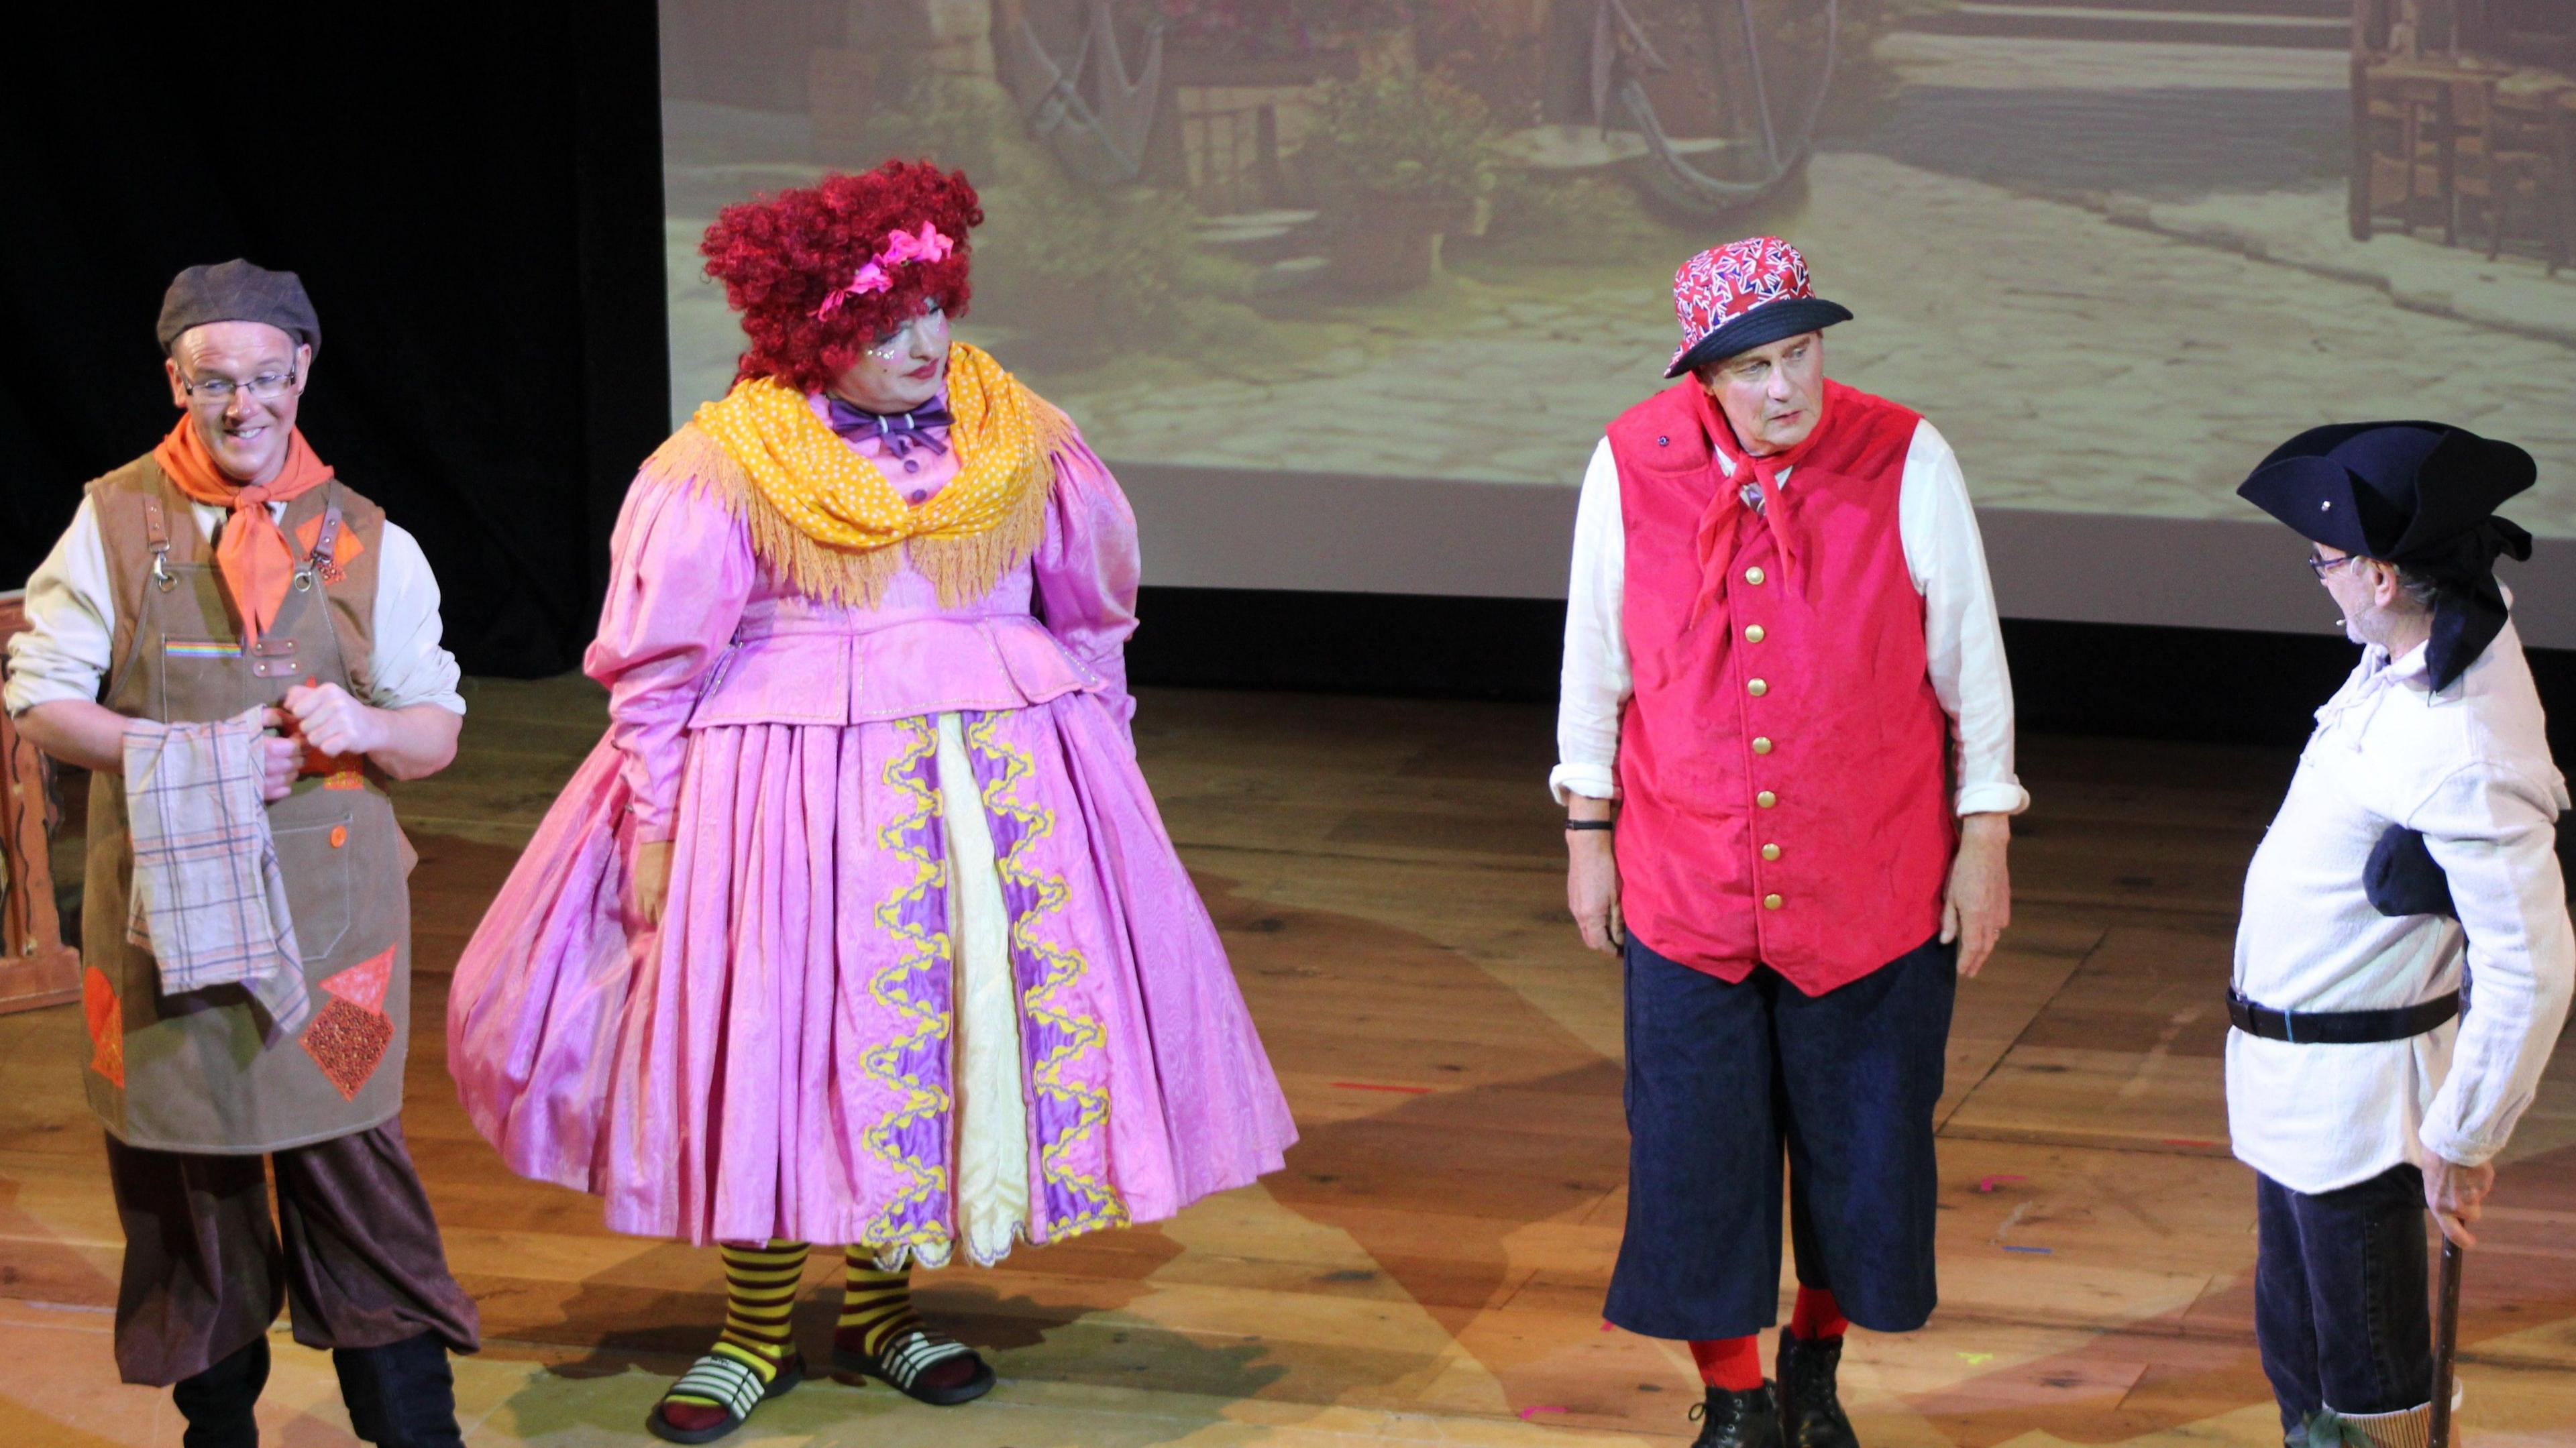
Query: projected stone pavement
x=2091 y=333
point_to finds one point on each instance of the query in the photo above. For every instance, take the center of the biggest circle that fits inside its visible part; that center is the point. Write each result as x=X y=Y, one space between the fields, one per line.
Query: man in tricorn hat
x=1785 y=680
x=222 y=586
x=2415 y=851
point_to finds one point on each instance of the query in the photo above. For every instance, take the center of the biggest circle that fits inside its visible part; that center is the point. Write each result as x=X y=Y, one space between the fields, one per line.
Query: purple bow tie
x=897 y=432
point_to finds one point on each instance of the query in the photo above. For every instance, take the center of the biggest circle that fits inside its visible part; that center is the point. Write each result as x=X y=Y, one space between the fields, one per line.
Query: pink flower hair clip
x=926 y=245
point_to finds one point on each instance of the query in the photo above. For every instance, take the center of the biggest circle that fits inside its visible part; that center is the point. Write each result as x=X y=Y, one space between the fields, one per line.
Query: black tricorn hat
x=2421 y=495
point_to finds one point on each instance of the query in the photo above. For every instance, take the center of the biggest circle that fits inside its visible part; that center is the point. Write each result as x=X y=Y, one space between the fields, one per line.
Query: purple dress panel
x=774 y=1059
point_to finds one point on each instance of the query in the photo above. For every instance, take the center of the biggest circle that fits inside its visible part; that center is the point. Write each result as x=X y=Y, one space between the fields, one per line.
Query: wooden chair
x=2509 y=157
x=2402 y=139
x=36 y=968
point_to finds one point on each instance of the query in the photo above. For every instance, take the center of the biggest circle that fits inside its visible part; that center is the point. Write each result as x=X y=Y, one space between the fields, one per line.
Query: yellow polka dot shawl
x=827 y=520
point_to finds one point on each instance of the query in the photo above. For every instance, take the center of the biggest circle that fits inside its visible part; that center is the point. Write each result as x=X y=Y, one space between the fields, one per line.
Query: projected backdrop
x=1398 y=242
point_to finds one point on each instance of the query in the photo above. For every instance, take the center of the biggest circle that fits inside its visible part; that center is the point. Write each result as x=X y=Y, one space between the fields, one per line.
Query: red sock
x=1816 y=1315
x=1732 y=1363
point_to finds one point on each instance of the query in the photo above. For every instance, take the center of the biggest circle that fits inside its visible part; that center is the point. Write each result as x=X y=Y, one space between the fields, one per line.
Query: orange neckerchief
x=256 y=560
x=1717 y=522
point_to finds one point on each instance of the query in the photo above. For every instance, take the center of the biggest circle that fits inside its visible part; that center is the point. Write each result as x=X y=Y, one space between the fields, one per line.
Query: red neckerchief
x=1718 y=521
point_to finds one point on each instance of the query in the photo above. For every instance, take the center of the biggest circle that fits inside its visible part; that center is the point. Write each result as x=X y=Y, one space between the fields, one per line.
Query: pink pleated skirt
x=781 y=1057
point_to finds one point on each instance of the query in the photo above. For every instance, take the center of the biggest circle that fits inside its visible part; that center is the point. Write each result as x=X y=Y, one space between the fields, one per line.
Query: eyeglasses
x=893 y=344
x=216 y=391
x=2322 y=566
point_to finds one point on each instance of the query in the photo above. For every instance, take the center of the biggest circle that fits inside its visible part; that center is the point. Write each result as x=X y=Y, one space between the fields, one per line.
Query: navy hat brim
x=1763 y=325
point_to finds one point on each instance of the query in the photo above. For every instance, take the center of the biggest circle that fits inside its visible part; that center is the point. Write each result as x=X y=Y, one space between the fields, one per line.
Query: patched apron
x=206 y=1071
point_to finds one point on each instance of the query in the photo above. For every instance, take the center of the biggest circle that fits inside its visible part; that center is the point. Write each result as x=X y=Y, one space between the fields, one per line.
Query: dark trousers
x=2340 y=1304
x=1725 y=1082
x=353 y=1247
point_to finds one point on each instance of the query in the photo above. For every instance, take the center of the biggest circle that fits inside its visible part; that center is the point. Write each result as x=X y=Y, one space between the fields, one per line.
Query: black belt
x=2340 y=1028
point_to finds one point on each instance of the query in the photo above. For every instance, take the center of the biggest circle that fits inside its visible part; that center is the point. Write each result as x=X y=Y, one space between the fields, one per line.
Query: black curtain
x=473 y=197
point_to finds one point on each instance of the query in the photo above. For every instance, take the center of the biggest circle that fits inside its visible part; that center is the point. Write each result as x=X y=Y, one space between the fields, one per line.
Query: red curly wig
x=779 y=257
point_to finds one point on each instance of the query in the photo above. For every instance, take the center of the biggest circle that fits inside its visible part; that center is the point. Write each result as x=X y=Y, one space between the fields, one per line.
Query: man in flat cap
x=242 y=648
x=1785 y=678
x=2414 y=853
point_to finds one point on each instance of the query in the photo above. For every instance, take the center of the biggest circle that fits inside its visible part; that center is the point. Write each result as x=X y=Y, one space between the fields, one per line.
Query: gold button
x=1757 y=688
x=1761 y=744
x=1770 y=852
x=1766 y=799
x=1770 y=902
x=1753 y=634
x=1753 y=575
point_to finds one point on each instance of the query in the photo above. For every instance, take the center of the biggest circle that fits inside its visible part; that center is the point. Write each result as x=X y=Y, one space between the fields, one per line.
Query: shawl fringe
x=961 y=569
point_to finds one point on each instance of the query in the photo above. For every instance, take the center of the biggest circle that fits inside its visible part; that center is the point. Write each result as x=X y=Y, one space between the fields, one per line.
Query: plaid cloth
x=209 y=901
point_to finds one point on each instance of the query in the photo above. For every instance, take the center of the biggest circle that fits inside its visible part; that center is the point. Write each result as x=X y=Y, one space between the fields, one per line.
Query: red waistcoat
x=1783 y=759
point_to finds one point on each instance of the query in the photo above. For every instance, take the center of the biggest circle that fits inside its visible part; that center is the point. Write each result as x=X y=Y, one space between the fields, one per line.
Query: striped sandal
x=730 y=1383
x=909 y=1365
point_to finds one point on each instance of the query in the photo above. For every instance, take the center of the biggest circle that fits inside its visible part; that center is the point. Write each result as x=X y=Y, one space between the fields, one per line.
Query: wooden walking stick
x=2446 y=1342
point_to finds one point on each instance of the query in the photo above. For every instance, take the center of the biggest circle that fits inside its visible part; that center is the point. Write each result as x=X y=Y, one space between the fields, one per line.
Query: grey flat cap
x=236 y=291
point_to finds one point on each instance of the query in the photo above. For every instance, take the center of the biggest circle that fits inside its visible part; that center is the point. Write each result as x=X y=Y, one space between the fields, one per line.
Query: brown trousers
x=206 y=1269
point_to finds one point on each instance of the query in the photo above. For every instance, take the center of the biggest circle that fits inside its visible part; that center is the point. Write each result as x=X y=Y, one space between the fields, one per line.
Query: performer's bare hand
x=279 y=757
x=1592 y=887
x=652 y=879
x=2457 y=1195
x=1979 y=904
x=335 y=723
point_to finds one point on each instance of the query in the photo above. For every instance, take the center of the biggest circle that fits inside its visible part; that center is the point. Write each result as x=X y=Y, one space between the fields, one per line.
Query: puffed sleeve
x=680 y=571
x=1086 y=569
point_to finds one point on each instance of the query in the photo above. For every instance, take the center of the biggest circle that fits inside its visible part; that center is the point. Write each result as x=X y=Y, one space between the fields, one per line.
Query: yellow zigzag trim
x=925 y=953
x=1079 y=1034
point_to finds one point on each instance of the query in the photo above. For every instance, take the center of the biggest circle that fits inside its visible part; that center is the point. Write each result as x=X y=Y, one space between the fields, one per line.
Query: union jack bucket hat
x=1736 y=297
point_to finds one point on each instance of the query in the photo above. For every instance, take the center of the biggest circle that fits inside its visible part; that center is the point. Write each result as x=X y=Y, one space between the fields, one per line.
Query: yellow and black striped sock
x=760 y=1295
x=875 y=1305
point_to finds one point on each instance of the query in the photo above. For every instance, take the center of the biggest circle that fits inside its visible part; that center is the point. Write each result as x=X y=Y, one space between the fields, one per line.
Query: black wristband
x=1588 y=824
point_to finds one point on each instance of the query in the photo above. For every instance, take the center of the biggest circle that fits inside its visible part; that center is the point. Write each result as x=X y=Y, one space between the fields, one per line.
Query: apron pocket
x=206 y=674
x=314 y=858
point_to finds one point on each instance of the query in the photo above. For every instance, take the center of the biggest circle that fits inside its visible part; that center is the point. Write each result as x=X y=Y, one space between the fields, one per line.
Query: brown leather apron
x=205 y=1070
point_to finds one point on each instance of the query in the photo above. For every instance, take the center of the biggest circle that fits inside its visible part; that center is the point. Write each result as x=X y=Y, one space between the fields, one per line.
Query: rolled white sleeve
x=71 y=622
x=1596 y=681
x=2494 y=834
x=1961 y=635
x=410 y=666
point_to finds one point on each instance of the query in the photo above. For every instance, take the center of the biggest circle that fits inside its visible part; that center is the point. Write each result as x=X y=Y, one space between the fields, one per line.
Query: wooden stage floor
x=1430 y=1267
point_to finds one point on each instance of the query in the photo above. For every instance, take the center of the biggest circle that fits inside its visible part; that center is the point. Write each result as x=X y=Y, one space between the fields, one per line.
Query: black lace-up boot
x=1749 y=1419
x=1811 y=1409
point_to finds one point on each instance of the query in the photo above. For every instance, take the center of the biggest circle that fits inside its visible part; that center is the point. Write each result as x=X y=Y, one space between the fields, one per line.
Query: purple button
x=912 y=465
x=920 y=496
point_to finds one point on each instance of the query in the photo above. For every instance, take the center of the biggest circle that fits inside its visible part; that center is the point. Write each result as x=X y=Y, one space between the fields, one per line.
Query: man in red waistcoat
x=1785 y=699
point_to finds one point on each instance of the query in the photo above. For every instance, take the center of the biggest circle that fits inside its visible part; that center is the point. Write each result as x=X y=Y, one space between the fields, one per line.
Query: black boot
x=401 y=1396
x=217 y=1402
x=1738 y=1420
x=1811 y=1410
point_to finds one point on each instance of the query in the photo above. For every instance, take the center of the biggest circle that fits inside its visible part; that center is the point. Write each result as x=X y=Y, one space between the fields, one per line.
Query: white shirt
x=71 y=622
x=2470 y=768
x=1963 y=642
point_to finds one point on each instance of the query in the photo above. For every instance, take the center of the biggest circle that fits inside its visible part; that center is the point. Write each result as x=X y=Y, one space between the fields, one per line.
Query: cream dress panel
x=992 y=1108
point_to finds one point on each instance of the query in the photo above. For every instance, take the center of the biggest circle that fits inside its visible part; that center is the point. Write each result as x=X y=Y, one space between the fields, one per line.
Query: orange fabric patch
x=106 y=1017
x=345 y=779
x=363 y=985
x=344 y=548
x=348 y=1043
